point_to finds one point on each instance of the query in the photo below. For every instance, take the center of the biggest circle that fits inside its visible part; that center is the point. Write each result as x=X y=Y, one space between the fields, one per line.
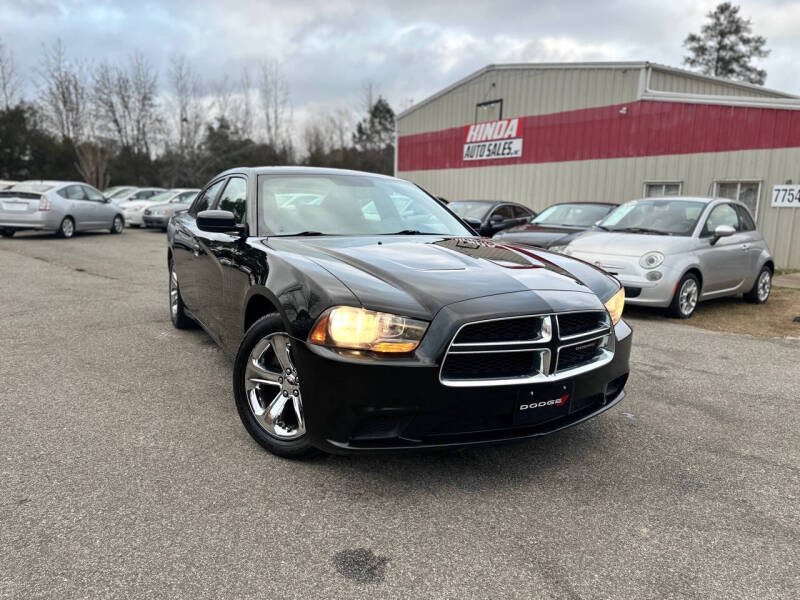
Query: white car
x=135 y=193
x=134 y=209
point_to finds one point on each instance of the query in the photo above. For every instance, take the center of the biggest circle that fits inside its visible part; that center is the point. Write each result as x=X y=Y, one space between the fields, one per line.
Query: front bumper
x=134 y=217
x=158 y=221
x=353 y=405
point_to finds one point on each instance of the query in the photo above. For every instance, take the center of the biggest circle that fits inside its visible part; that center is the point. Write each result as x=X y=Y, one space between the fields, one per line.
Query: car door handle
x=745 y=246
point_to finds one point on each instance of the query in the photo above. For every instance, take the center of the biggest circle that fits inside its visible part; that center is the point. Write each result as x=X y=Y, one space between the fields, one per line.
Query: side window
x=745 y=219
x=520 y=212
x=92 y=194
x=234 y=198
x=724 y=214
x=73 y=192
x=206 y=198
x=506 y=211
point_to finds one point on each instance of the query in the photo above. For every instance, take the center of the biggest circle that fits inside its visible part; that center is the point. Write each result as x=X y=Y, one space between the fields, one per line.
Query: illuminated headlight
x=361 y=329
x=651 y=260
x=615 y=305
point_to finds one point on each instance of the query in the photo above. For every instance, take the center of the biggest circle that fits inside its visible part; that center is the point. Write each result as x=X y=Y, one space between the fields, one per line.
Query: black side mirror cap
x=494 y=219
x=220 y=221
x=475 y=224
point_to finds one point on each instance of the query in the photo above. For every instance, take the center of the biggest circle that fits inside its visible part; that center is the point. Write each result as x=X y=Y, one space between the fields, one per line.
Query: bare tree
x=188 y=114
x=274 y=93
x=93 y=163
x=125 y=104
x=9 y=78
x=64 y=94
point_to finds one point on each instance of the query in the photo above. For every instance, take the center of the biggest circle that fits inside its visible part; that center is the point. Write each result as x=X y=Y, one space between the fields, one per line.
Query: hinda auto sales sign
x=495 y=139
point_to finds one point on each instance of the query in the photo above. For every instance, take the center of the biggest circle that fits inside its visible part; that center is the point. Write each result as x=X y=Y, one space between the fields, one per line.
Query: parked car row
x=671 y=252
x=64 y=207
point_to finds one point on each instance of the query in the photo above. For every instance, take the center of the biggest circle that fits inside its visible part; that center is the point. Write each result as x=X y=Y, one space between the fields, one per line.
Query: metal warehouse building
x=544 y=133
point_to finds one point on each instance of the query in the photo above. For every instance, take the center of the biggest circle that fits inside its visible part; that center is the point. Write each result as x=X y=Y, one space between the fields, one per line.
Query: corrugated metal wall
x=525 y=91
x=669 y=81
x=619 y=180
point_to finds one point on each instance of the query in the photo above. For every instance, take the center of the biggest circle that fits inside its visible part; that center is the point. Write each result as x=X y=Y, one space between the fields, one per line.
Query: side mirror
x=475 y=224
x=495 y=219
x=720 y=232
x=220 y=221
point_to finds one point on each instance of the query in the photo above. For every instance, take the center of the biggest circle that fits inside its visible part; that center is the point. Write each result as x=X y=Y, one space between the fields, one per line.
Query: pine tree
x=726 y=46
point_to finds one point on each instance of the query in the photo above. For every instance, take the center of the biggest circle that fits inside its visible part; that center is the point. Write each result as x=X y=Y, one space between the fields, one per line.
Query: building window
x=746 y=192
x=489 y=111
x=662 y=188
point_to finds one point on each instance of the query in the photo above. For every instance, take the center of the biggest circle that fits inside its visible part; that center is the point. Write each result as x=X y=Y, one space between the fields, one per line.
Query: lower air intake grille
x=574 y=356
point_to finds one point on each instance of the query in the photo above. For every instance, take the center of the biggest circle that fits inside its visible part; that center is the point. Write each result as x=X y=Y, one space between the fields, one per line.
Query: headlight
x=615 y=305
x=362 y=329
x=651 y=260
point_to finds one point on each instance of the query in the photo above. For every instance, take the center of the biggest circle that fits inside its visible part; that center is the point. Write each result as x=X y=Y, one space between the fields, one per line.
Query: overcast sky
x=408 y=48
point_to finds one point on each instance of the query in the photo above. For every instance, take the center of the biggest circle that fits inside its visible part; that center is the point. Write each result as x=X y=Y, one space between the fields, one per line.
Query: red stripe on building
x=646 y=129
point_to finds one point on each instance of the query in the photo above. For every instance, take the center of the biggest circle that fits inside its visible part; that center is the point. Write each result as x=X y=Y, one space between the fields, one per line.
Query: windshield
x=118 y=192
x=572 y=215
x=349 y=205
x=31 y=187
x=666 y=217
x=162 y=197
x=470 y=210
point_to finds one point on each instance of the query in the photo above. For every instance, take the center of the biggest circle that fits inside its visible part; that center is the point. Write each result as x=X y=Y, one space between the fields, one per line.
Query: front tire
x=762 y=287
x=7 y=232
x=66 y=229
x=177 y=311
x=117 y=225
x=686 y=297
x=266 y=387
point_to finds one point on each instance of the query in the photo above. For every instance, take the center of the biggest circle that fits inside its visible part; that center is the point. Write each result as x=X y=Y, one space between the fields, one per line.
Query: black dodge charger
x=363 y=315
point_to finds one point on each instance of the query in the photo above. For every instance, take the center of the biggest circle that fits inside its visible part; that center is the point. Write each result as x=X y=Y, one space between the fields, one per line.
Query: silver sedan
x=674 y=252
x=63 y=207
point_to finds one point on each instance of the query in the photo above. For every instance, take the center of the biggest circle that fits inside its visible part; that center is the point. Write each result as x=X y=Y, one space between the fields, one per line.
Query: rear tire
x=117 y=225
x=686 y=297
x=177 y=310
x=266 y=388
x=66 y=229
x=762 y=287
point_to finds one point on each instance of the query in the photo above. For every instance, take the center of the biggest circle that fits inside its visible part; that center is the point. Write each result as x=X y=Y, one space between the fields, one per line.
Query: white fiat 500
x=674 y=252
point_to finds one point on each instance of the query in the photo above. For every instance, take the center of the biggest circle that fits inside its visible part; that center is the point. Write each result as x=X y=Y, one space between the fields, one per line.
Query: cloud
x=409 y=49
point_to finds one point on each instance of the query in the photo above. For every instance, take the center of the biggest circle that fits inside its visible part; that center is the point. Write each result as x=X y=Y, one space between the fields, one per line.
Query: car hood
x=537 y=236
x=628 y=244
x=175 y=206
x=418 y=275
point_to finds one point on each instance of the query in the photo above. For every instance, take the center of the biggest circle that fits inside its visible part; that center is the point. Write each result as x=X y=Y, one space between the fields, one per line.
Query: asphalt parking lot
x=127 y=473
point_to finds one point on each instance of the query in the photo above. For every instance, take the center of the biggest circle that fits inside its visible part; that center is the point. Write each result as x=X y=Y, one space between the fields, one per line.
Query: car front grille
x=527 y=349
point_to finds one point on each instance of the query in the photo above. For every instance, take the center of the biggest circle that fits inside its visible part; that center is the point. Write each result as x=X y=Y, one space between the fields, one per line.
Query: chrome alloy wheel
x=764 y=285
x=173 y=293
x=687 y=299
x=67 y=228
x=118 y=225
x=273 y=388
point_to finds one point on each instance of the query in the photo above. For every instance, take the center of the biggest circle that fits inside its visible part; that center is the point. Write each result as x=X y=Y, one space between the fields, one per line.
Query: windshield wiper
x=603 y=227
x=411 y=232
x=641 y=230
x=302 y=233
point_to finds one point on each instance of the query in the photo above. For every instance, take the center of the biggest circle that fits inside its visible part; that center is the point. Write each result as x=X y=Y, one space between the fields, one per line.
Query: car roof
x=280 y=170
x=589 y=203
x=703 y=199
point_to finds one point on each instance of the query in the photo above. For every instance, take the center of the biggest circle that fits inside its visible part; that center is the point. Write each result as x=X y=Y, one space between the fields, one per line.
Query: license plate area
x=15 y=206
x=540 y=403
